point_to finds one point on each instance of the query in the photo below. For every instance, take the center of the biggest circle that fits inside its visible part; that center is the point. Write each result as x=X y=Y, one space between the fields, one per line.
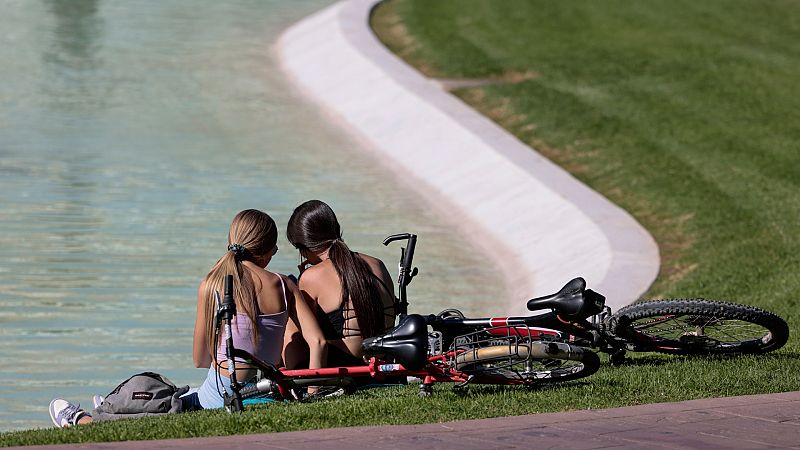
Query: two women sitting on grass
x=276 y=321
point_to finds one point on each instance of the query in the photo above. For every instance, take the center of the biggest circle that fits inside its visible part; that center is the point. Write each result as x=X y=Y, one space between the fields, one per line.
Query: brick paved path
x=748 y=422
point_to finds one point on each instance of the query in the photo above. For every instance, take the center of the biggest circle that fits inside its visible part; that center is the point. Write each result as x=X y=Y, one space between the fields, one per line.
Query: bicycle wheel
x=528 y=363
x=695 y=327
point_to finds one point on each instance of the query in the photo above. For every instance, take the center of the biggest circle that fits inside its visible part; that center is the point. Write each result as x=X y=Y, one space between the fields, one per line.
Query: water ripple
x=128 y=140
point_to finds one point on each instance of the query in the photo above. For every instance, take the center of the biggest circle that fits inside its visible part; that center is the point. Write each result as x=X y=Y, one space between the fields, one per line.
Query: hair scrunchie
x=238 y=250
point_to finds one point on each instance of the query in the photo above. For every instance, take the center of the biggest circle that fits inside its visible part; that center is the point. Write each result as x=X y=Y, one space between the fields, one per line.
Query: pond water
x=130 y=134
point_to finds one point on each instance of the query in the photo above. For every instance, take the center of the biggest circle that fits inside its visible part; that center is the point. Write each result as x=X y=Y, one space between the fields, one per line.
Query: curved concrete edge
x=539 y=224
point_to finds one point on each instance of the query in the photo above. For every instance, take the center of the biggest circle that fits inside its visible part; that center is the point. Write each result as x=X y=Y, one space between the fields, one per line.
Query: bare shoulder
x=291 y=289
x=269 y=288
x=378 y=268
x=267 y=280
x=311 y=276
x=318 y=276
x=374 y=263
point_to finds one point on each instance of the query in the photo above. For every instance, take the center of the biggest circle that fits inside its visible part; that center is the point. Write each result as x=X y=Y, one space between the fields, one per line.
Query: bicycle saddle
x=407 y=342
x=571 y=301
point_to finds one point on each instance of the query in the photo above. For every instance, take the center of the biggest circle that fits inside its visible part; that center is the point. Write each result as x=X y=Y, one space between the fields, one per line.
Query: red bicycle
x=517 y=358
x=500 y=355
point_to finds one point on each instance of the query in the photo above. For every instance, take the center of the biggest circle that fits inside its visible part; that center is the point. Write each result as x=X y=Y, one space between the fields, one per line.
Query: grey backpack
x=144 y=394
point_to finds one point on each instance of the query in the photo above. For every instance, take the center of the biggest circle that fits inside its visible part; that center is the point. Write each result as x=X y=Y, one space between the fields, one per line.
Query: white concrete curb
x=541 y=225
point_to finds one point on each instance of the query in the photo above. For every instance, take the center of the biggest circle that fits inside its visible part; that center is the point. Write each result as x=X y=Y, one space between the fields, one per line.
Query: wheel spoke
x=698 y=326
x=712 y=328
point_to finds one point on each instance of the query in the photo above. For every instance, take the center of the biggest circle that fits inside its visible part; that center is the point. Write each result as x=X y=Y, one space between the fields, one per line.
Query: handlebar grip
x=228 y=309
x=408 y=257
x=228 y=287
x=396 y=237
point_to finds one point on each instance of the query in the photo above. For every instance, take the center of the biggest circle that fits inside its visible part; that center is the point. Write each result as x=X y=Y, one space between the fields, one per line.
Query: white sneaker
x=97 y=400
x=64 y=413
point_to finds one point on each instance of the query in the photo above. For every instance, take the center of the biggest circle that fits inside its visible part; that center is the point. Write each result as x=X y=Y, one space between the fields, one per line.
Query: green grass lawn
x=687 y=114
x=646 y=380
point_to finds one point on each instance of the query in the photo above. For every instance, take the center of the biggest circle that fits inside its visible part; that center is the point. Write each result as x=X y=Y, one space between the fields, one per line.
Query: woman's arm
x=200 y=345
x=305 y=319
x=295 y=349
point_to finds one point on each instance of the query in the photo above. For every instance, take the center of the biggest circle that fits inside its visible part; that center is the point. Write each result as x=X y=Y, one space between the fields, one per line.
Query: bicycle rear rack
x=497 y=352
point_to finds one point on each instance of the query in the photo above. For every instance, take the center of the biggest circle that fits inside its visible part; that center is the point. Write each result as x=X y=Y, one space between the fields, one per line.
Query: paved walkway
x=748 y=422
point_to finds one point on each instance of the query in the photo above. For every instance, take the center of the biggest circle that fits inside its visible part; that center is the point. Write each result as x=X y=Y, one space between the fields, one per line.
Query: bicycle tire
x=699 y=327
x=528 y=362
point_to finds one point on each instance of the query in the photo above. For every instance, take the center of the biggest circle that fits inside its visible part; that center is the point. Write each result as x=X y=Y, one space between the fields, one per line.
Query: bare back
x=320 y=284
x=269 y=289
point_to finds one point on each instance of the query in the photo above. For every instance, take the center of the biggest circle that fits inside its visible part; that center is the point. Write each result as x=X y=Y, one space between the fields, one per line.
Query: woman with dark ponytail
x=350 y=291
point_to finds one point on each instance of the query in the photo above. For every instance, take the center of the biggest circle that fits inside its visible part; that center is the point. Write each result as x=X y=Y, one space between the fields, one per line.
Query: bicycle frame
x=588 y=332
x=547 y=326
x=510 y=356
x=284 y=382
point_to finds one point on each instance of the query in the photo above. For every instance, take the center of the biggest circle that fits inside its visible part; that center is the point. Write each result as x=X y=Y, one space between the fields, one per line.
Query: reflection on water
x=74 y=43
x=130 y=134
x=75 y=33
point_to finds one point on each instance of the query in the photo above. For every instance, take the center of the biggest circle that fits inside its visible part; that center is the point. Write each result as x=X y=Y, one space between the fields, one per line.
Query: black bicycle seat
x=407 y=342
x=572 y=300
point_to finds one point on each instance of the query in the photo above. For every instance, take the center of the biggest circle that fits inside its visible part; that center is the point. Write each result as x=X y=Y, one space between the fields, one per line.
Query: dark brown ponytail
x=358 y=284
x=313 y=226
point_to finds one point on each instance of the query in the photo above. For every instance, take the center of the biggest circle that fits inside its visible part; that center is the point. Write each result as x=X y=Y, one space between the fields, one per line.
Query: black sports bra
x=334 y=323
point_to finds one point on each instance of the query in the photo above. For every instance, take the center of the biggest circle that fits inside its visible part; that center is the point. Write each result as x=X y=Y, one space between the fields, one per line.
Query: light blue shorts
x=211 y=392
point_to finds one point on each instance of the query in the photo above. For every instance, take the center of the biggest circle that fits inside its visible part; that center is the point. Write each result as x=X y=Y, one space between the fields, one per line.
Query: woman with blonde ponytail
x=265 y=303
x=350 y=292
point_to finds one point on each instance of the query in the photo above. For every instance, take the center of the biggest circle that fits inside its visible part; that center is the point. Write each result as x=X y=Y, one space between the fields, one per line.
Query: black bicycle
x=578 y=316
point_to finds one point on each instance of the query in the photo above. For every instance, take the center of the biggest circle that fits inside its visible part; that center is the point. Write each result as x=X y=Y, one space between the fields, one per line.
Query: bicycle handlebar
x=396 y=237
x=406 y=272
x=226 y=313
x=227 y=310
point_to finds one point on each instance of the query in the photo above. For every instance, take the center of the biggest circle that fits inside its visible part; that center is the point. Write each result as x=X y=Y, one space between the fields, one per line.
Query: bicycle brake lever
x=217 y=317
